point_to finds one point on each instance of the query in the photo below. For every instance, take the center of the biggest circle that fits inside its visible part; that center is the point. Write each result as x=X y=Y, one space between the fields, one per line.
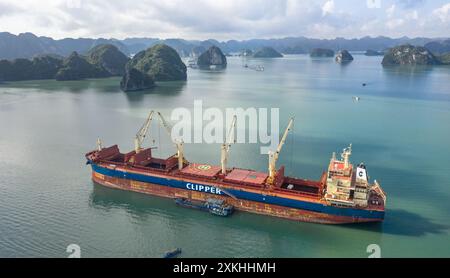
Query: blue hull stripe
x=240 y=194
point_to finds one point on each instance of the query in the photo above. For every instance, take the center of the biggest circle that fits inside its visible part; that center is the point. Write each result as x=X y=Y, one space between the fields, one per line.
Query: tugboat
x=213 y=206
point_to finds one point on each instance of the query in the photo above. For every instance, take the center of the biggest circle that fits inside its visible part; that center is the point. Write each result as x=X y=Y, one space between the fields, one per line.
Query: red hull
x=243 y=205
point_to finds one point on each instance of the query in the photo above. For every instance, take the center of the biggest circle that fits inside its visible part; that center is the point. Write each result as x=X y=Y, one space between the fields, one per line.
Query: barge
x=343 y=193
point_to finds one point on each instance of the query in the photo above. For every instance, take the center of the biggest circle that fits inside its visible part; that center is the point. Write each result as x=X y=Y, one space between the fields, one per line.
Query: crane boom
x=227 y=145
x=273 y=156
x=140 y=135
x=164 y=123
x=178 y=144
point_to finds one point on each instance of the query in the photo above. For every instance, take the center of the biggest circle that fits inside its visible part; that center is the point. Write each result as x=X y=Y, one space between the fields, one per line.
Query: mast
x=346 y=156
x=140 y=135
x=273 y=156
x=227 y=145
x=178 y=143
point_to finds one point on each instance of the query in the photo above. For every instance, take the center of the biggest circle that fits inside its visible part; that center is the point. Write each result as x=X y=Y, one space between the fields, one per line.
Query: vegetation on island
x=160 y=62
x=76 y=67
x=42 y=67
x=102 y=61
x=109 y=58
x=409 y=55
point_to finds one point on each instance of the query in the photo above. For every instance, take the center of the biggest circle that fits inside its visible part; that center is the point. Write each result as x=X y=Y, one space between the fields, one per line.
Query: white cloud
x=390 y=11
x=443 y=13
x=328 y=7
x=414 y=15
x=395 y=23
x=222 y=19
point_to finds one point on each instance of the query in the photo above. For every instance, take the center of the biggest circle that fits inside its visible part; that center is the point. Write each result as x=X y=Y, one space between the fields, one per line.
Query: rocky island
x=135 y=80
x=343 y=57
x=101 y=61
x=267 y=52
x=76 y=67
x=212 y=57
x=157 y=63
x=109 y=58
x=41 y=67
x=160 y=62
x=321 y=52
x=409 y=55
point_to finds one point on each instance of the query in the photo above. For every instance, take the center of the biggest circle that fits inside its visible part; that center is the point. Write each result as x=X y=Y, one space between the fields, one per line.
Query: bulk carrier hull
x=264 y=202
x=342 y=195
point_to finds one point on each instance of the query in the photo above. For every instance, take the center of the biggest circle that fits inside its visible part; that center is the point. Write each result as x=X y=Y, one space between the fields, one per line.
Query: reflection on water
x=213 y=68
x=109 y=85
x=108 y=198
x=322 y=60
x=172 y=88
x=403 y=223
x=407 y=71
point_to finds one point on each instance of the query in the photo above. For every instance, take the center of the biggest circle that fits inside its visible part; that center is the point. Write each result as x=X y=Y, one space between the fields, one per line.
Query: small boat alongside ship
x=343 y=193
x=213 y=206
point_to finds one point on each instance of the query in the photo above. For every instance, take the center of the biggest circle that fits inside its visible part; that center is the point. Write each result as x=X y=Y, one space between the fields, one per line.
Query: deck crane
x=99 y=144
x=227 y=145
x=273 y=156
x=178 y=143
x=140 y=135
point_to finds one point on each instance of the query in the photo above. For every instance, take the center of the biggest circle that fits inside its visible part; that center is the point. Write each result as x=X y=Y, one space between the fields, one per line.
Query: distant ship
x=343 y=194
x=192 y=63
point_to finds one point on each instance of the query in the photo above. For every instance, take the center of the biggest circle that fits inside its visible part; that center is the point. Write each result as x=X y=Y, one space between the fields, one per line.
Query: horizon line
x=224 y=41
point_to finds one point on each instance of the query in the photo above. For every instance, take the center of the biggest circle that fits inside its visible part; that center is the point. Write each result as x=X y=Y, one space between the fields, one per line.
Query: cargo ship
x=343 y=193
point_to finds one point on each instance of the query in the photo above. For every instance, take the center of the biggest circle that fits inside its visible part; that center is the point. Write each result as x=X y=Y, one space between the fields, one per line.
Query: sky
x=226 y=19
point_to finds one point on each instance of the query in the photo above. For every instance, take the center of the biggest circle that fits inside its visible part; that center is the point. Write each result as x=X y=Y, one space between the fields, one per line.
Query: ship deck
x=235 y=178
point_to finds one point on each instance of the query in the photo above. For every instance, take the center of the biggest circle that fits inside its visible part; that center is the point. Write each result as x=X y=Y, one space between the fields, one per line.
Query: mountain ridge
x=28 y=45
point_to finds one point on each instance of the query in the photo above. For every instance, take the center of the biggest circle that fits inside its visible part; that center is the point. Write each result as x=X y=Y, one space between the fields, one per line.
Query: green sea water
x=400 y=128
